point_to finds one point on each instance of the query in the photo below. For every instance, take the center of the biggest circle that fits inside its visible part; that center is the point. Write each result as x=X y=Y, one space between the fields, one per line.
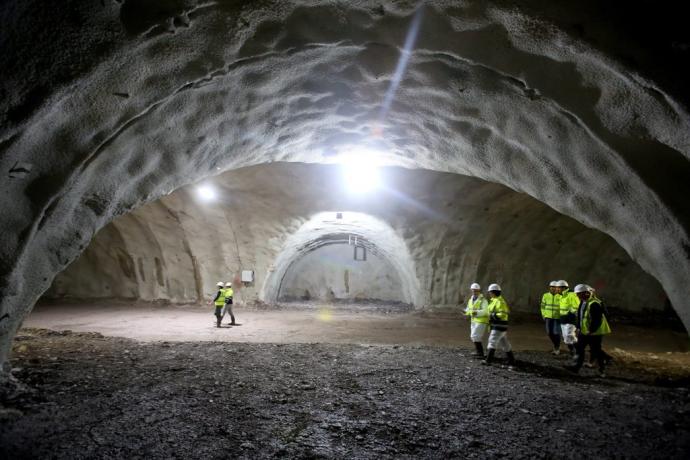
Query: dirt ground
x=309 y=323
x=207 y=395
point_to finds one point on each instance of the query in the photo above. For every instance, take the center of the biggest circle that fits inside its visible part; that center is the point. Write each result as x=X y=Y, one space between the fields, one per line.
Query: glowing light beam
x=405 y=54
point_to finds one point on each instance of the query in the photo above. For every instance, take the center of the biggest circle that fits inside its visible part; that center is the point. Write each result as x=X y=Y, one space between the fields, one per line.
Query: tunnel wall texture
x=108 y=105
x=436 y=233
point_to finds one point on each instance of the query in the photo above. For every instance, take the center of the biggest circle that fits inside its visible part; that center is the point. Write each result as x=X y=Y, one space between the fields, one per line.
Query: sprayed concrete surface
x=105 y=106
x=327 y=324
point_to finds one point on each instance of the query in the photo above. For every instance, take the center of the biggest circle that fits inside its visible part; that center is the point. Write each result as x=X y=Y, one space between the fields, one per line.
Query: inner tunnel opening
x=341 y=268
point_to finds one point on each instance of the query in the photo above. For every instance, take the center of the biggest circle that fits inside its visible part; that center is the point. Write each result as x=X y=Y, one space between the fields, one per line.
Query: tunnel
x=425 y=235
x=355 y=158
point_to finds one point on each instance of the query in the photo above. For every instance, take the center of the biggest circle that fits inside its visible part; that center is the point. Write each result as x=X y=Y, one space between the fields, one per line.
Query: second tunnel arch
x=326 y=227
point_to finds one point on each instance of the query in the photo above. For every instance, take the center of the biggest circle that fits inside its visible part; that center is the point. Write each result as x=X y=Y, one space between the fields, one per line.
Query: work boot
x=511 y=358
x=489 y=357
x=556 y=351
x=217 y=322
x=479 y=353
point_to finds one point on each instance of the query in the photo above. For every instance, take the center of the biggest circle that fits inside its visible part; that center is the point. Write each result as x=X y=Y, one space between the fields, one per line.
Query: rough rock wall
x=452 y=230
x=106 y=269
x=108 y=105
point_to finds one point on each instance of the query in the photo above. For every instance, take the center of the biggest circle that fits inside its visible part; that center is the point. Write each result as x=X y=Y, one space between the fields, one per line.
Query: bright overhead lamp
x=206 y=193
x=361 y=172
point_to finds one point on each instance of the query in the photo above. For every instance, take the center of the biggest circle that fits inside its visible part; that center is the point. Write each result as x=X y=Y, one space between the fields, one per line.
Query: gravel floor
x=98 y=397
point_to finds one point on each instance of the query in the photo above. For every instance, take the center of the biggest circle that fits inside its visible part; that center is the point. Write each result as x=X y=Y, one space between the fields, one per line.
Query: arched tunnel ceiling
x=108 y=105
x=439 y=232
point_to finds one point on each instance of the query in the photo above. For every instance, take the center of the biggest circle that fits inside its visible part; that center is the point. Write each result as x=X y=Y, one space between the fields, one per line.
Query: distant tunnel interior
x=421 y=238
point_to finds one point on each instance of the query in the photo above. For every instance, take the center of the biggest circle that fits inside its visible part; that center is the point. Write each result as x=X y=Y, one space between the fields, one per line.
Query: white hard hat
x=553 y=284
x=581 y=288
x=228 y=284
x=562 y=283
x=220 y=283
x=475 y=286
x=494 y=287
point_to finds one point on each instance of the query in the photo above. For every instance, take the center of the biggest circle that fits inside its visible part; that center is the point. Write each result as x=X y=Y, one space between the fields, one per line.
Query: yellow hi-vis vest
x=551 y=305
x=569 y=303
x=227 y=293
x=498 y=313
x=220 y=301
x=604 y=327
x=480 y=307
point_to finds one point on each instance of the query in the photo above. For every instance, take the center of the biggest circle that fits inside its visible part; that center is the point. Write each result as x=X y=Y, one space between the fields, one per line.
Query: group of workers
x=491 y=313
x=223 y=302
x=578 y=317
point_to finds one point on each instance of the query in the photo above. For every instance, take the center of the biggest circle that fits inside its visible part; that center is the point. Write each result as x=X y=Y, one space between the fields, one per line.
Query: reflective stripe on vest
x=569 y=303
x=498 y=313
x=477 y=306
x=604 y=327
x=220 y=301
x=551 y=305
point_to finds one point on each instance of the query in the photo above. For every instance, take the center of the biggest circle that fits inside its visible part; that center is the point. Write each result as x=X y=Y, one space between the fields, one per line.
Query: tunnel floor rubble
x=91 y=396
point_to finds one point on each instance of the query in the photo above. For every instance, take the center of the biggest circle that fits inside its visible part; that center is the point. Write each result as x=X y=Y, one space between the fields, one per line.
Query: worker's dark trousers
x=556 y=341
x=228 y=310
x=594 y=342
x=218 y=313
x=553 y=329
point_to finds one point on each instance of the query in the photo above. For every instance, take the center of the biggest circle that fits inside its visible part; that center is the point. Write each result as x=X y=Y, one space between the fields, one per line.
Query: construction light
x=361 y=172
x=206 y=193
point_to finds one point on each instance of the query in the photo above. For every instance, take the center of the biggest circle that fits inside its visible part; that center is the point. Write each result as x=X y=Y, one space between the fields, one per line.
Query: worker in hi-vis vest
x=227 y=294
x=569 y=303
x=551 y=314
x=478 y=311
x=498 y=321
x=592 y=326
x=219 y=302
